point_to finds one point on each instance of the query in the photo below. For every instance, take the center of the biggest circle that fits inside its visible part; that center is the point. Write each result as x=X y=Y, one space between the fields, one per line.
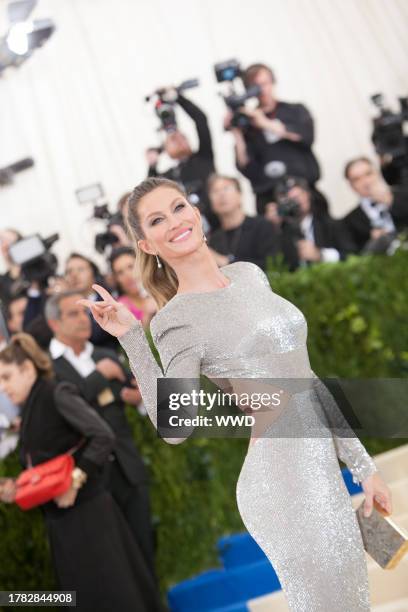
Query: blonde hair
x=23 y=346
x=160 y=283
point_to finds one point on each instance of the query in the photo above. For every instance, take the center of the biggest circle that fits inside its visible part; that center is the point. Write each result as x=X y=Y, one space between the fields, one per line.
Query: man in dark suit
x=277 y=141
x=107 y=386
x=308 y=232
x=381 y=211
x=239 y=237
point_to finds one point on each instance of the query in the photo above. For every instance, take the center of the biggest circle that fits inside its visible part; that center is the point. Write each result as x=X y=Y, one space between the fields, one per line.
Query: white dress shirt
x=378 y=214
x=328 y=254
x=83 y=363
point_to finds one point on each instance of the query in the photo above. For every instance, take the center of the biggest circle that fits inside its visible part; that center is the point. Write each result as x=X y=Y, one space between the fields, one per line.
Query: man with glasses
x=381 y=210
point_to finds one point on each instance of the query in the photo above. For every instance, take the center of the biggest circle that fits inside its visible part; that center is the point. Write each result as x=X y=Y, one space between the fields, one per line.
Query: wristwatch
x=79 y=478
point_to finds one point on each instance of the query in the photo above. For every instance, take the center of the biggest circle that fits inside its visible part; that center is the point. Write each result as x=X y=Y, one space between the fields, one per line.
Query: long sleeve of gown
x=181 y=359
x=348 y=447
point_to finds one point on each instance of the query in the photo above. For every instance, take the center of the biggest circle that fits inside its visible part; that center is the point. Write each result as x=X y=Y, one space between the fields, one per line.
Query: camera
x=164 y=102
x=33 y=255
x=105 y=239
x=229 y=72
x=388 y=133
x=108 y=238
x=95 y=194
x=287 y=207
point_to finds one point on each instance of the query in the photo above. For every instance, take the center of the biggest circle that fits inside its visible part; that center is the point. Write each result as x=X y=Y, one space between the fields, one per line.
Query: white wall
x=77 y=105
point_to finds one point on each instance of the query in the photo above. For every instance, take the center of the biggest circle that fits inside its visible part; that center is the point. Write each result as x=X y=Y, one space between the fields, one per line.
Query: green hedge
x=356 y=313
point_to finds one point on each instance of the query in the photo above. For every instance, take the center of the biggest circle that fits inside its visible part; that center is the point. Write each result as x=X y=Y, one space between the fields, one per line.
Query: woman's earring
x=204 y=238
x=159 y=263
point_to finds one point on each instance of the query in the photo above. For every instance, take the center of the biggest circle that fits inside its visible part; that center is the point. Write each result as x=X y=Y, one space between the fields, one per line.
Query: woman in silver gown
x=228 y=324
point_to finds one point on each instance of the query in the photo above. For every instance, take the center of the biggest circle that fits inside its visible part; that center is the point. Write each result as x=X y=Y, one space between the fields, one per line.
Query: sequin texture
x=290 y=492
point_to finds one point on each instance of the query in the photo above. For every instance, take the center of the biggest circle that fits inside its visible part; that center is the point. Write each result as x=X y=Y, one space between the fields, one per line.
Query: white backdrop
x=77 y=105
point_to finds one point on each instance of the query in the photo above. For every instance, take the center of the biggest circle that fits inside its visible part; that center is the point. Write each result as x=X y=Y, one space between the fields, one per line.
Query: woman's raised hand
x=112 y=316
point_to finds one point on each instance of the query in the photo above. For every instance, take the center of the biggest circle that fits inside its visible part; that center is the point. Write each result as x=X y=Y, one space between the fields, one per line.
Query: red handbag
x=40 y=484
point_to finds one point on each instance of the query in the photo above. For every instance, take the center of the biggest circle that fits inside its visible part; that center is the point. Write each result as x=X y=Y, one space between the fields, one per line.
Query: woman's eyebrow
x=159 y=212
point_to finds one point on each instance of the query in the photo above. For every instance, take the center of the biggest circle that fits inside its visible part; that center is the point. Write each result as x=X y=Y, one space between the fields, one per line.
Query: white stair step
x=396 y=605
x=274 y=602
x=393 y=464
x=388 y=585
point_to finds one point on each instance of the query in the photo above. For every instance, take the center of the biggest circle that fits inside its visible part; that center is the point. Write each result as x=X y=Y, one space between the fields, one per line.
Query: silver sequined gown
x=290 y=492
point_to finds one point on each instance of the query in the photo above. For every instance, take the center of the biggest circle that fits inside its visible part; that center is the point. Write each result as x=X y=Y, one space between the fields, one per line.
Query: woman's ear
x=145 y=247
x=197 y=213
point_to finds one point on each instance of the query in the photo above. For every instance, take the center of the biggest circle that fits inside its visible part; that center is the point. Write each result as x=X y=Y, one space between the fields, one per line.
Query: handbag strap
x=71 y=451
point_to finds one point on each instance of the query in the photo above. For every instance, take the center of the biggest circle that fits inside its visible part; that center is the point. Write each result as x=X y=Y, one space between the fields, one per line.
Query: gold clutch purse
x=385 y=542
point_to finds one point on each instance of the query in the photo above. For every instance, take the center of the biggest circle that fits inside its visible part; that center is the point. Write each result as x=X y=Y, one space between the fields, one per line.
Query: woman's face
x=171 y=225
x=124 y=272
x=16 y=380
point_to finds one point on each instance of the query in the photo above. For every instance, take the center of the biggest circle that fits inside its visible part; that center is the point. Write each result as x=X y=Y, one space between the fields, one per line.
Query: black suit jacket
x=258 y=239
x=90 y=387
x=359 y=225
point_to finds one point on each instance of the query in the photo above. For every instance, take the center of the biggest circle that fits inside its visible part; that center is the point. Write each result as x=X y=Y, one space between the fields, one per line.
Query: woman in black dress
x=92 y=548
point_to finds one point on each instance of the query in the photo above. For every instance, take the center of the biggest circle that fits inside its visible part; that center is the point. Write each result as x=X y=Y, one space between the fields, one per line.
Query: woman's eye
x=182 y=204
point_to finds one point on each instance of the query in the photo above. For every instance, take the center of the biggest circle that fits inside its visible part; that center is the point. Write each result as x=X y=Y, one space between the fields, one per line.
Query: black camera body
x=229 y=72
x=33 y=255
x=388 y=133
x=167 y=115
x=288 y=207
x=164 y=105
x=105 y=239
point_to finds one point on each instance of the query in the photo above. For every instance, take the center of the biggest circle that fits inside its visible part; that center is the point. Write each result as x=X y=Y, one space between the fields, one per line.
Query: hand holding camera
x=152 y=156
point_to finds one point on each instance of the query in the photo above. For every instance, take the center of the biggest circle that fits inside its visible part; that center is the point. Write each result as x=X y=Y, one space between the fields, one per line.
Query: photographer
x=390 y=140
x=394 y=170
x=115 y=235
x=192 y=168
x=381 y=211
x=278 y=141
x=240 y=237
x=308 y=233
